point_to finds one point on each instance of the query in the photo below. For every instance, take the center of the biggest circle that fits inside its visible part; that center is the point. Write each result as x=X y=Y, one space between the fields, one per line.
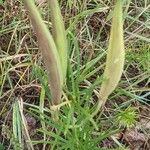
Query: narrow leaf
x=49 y=52
x=115 y=54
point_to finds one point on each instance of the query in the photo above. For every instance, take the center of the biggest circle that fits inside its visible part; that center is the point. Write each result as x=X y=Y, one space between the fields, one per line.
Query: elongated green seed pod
x=49 y=52
x=59 y=33
x=115 y=54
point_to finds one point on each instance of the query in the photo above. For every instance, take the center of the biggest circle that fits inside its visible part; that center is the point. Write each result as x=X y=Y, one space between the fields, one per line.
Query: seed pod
x=49 y=52
x=115 y=54
x=59 y=34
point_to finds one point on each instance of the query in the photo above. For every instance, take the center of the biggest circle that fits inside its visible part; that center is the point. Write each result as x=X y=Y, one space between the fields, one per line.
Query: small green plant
x=76 y=130
x=127 y=118
x=55 y=50
x=29 y=97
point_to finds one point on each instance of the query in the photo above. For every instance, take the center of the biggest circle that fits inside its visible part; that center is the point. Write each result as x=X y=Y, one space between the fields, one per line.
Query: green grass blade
x=17 y=127
x=49 y=52
x=59 y=34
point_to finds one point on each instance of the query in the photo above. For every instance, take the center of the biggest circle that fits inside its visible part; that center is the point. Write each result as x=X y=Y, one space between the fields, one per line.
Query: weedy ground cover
x=25 y=112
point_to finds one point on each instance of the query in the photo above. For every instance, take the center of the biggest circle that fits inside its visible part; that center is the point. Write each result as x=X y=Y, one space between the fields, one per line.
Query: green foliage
x=1 y=2
x=17 y=127
x=140 y=56
x=127 y=118
x=1 y=147
x=69 y=135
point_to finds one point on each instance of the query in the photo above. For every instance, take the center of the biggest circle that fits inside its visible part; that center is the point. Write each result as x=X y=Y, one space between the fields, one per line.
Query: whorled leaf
x=115 y=54
x=49 y=52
